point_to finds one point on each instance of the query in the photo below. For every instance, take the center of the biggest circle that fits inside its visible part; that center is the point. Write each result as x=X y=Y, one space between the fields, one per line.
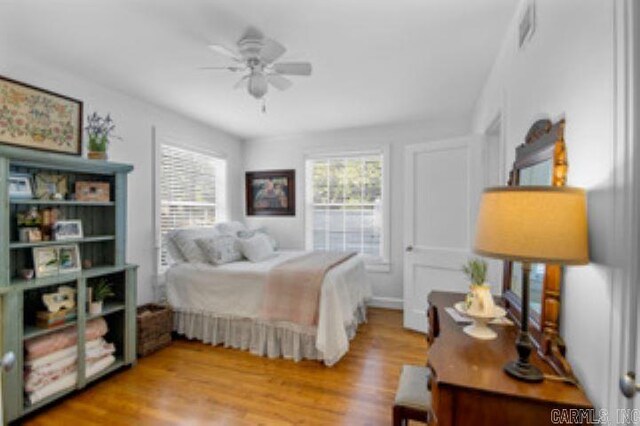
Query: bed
x=221 y=305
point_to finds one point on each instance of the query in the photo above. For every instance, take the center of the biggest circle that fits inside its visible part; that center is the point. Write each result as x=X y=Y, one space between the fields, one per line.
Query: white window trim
x=222 y=201
x=382 y=264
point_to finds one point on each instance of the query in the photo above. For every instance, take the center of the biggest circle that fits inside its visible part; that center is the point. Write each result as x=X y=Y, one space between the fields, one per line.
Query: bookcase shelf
x=93 y=239
x=104 y=246
x=36 y=202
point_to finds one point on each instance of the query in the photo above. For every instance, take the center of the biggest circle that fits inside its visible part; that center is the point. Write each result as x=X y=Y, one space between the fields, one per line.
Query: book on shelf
x=46 y=319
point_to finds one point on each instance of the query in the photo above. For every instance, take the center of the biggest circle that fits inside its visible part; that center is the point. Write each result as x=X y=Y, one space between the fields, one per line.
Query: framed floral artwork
x=35 y=118
x=271 y=193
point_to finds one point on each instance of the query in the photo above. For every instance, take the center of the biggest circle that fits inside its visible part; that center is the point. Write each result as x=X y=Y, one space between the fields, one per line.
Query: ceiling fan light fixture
x=257 y=86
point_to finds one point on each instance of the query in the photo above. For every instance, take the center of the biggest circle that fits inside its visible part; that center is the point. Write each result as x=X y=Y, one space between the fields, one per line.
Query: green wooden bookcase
x=104 y=243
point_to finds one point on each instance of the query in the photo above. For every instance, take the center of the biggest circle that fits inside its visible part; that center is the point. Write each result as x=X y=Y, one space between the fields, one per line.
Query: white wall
x=568 y=71
x=288 y=153
x=134 y=120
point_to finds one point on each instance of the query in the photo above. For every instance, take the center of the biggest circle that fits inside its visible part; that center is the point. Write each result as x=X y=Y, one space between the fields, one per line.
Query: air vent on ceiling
x=527 y=24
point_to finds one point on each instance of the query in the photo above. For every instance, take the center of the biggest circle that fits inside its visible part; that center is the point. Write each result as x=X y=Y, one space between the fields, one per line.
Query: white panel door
x=438 y=214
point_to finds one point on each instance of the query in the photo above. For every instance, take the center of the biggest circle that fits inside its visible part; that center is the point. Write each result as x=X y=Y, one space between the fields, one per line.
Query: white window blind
x=345 y=196
x=191 y=191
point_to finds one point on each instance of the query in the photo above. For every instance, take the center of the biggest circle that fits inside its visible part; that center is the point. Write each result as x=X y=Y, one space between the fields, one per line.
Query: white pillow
x=173 y=250
x=230 y=228
x=185 y=240
x=256 y=248
x=262 y=230
x=221 y=249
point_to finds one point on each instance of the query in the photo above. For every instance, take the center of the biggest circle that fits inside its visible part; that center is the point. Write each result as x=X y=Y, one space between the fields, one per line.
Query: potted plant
x=100 y=292
x=479 y=300
x=100 y=132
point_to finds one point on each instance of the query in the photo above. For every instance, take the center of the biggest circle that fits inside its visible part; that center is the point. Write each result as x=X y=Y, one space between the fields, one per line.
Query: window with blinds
x=345 y=196
x=191 y=188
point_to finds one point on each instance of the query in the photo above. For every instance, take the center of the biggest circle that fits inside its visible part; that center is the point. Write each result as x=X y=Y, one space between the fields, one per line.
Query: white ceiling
x=375 y=61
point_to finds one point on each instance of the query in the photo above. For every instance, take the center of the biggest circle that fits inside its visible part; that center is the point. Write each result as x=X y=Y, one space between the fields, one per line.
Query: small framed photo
x=93 y=191
x=29 y=235
x=67 y=230
x=20 y=186
x=45 y=260
x=271 y=193
x=50 y=186
x=69 y=258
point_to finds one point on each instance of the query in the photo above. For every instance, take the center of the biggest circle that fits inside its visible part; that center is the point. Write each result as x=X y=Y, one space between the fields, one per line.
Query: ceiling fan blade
x=279 y=82
x=293 y=68
x=228 y=68
x=271 y=51
x=242 y=83
x=225 y=51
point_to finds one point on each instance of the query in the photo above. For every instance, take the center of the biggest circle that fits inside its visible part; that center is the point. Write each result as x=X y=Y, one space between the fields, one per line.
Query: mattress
x=235 y=290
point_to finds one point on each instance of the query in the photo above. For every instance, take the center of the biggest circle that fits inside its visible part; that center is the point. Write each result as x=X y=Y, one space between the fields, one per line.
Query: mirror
x=540 y=161
x=539 y=174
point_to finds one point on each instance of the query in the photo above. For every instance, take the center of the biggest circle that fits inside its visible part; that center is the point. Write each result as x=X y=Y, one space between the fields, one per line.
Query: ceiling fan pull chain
x=264 y=106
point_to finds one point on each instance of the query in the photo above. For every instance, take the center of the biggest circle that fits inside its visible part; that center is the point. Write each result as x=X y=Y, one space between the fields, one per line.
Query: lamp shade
x=533 y=224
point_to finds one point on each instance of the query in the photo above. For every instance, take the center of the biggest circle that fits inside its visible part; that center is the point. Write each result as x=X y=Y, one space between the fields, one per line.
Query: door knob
x=409 y=248
x=628 y=384
x=8 y=361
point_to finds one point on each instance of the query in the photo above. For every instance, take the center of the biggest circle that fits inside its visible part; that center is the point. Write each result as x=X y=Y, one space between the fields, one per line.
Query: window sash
x=352 y=220
x=189 y=192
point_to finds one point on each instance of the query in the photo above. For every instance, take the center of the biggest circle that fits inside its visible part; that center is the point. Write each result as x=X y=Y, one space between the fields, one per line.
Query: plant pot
x=95 y=308
x=97 y=155
x=479 y=300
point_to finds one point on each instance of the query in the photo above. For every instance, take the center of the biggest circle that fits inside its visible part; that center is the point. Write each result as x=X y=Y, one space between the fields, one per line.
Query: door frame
x=626 y=199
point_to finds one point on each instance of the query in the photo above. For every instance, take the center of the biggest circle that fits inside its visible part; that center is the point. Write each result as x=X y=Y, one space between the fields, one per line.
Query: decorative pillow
x=256 y=248
x=230 y=228
x=173 y=250
x=221 y=249
x=262 y=230
x=185 y=240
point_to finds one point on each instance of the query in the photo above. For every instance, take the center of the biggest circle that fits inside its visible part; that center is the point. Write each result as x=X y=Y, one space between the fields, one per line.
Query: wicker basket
x=155 y=323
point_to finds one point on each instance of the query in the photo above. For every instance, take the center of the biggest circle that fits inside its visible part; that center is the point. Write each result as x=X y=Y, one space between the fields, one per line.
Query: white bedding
x=235 y=290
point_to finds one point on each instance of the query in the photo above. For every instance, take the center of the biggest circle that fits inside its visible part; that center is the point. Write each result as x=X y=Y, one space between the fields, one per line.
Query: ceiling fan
x=256 y=55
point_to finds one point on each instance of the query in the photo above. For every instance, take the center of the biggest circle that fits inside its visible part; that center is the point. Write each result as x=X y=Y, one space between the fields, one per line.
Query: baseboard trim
x=386 y=302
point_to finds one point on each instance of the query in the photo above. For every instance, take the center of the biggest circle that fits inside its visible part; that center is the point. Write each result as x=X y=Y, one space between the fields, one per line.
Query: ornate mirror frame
x=544 y=142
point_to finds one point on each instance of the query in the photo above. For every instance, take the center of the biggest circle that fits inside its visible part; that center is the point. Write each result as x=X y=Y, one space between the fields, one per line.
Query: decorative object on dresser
x=271 y=193
x=32 y=385
x=469 y=386
x=541 y=160
x=100 y=132
x=478 y=304
x=20 y=186
x=155 y=323
x=35 y=118
x=67 y=230
x=93 y=191
x=532 y=224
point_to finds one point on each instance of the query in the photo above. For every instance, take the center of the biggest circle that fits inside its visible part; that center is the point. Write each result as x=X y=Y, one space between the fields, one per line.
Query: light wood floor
x=192 y=383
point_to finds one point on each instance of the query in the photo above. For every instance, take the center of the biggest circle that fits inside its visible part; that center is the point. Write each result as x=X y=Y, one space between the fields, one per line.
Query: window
x=191 y=191
x=345 y=204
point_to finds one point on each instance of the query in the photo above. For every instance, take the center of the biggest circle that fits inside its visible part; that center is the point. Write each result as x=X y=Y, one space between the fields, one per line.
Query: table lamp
x=532 y=224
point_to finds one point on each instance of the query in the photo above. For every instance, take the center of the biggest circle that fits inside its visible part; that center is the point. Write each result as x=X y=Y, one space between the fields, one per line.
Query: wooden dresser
x=469 y=386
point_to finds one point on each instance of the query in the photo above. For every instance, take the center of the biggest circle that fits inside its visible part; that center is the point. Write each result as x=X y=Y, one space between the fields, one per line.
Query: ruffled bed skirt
x=273 y=340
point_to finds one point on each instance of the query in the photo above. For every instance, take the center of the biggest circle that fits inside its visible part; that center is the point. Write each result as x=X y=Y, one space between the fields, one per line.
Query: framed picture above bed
x=271 y=193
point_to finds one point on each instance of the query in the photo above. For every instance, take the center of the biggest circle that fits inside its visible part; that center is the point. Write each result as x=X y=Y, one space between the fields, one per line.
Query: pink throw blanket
x=293 y=287
x=49 y=343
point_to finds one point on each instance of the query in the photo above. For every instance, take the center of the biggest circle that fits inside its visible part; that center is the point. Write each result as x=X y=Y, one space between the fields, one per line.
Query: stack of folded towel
x=51 y=360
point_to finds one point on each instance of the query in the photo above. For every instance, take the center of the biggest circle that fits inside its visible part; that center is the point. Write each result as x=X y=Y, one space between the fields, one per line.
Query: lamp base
x=525 y=372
